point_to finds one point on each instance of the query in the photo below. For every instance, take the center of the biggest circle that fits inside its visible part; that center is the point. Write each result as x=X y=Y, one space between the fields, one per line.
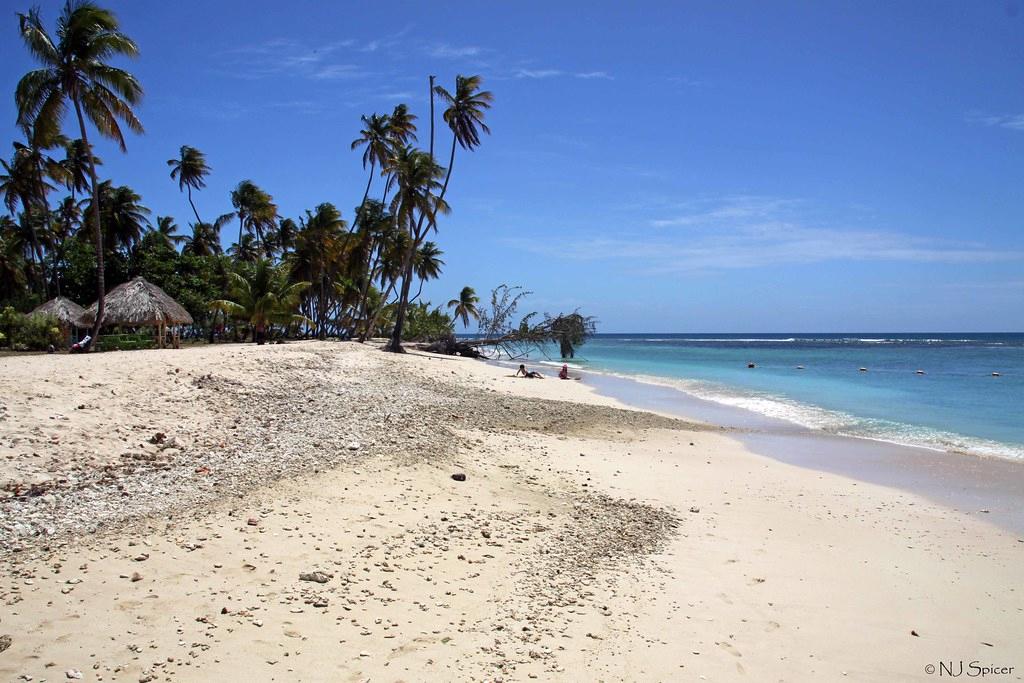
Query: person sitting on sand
x=564 y=372
x=82 y=346
x=528 y=374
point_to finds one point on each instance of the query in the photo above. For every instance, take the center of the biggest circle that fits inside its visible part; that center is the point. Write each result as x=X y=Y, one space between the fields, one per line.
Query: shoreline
x=587 y=541
x=965 y=481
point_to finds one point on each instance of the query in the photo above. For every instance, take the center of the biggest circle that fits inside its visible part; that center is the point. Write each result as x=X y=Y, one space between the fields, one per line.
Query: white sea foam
x=833 y=421
x=560 y=363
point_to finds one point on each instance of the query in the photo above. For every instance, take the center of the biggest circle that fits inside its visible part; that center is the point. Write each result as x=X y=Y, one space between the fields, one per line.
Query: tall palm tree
x=168 y=231
x=287 y=231
x=205 y=238
x=256 y=212
x=465 y=116
x=465 y=306
x=25 y=181
x=190 y=170
x=426 y=265
x=401 y=126
x=262 y=298
x=401 y=132
x=67 y=219
x=376 y=231
x=374 y=139
x=124 y=218
x=74 y=71
x=246 y=251
x=418 y=179
x=76 y=166
x=12 y=264
x=317 y=259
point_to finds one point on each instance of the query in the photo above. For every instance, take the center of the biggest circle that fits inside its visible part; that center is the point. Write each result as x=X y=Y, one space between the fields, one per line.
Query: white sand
x=781 y=574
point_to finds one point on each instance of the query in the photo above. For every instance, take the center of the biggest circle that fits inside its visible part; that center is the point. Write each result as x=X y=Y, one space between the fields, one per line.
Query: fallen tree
x=568 y=331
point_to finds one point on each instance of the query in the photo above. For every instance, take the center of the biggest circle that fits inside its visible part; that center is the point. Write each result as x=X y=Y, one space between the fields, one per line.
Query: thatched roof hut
x=66 y=311
x=139 y=303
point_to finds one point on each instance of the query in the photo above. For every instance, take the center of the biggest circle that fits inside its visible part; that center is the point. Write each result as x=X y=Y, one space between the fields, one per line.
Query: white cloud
x=1010 y=121
x=755 y=232
x=553 y=73
x=337 y=72
x=446 y=51
x=538 y=73
x=729 y=208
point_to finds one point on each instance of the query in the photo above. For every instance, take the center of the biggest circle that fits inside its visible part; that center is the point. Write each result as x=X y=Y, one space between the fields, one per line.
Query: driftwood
x=450 y=346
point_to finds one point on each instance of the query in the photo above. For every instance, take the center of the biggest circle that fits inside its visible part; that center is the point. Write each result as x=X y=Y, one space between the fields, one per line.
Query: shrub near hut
x=30 y=332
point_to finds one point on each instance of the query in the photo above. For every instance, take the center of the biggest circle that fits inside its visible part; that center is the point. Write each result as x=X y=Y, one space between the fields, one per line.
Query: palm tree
x=76 y=166
x=245 y=251
x=67 y=217
x=375 y=232
x=464 y=115
x=124 y=218
x=401 y=132
x=12 y=265
x=319 y=248
x=168 y=231
x=465 y=306
x=426 y=265
x=74 y=71
x=374 y=137
x=418 y=178
x=205 y=238
x=190 y=170
x=263 y=298
x=24 y=181
x=256 y=212
x=287 y=231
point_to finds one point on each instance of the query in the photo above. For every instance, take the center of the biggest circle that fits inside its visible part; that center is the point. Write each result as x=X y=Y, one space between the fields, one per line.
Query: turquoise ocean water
x=956 y=405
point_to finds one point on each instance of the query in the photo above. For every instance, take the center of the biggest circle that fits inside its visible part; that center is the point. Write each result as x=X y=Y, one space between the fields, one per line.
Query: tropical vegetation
x=71 y=232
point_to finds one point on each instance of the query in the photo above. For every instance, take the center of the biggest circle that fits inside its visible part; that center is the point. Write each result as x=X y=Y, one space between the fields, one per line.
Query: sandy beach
x=289 y=513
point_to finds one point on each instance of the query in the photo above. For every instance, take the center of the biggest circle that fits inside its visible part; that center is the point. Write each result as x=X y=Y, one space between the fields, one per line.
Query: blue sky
x=699 y=166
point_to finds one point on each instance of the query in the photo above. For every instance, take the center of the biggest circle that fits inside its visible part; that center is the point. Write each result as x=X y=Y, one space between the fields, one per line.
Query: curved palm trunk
x=198 y=219
x=372 y=322
x=35 y=251
x=432 y=118
x=364 y=293
x=366 y=195
x=372 y=262
x=395 y=345
x=403 y=302
x=97 y=233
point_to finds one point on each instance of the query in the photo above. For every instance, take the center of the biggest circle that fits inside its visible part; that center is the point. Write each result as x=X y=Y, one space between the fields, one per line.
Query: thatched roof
x=136 y=303
x=66 y=311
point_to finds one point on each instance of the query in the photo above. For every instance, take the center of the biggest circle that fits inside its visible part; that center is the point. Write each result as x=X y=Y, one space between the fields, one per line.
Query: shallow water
x=815 y=381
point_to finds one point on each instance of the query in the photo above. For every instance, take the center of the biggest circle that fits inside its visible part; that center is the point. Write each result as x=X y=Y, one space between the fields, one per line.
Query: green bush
x=38 y=332
x=29 y=332
x=126 y=342
x=425 y=324
x=10 y=322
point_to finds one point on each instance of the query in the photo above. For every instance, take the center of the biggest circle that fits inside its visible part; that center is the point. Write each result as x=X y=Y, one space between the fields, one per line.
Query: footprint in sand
x=725 y=598
x=772 y=626
x=730 y=649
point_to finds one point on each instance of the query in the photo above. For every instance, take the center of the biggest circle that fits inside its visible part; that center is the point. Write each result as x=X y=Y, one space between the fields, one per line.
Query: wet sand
x=971 y=484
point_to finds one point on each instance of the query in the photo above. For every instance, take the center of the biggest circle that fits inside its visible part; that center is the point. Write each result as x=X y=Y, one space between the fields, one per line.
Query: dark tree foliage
x=516 y=340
